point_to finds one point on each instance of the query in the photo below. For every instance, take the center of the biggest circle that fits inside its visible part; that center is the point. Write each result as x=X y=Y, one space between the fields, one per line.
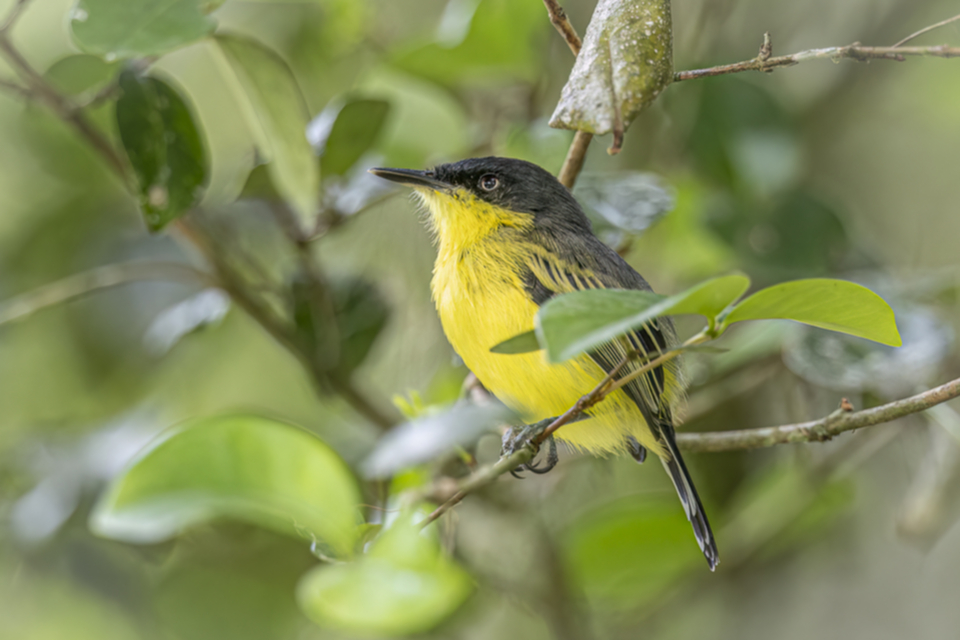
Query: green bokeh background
x=845 y=170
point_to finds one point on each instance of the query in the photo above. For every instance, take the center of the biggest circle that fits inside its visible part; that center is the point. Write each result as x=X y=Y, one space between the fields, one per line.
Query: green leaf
x=576 y=322
x=404 y=585
x=163 y=145
x=137 y=28
x=275 y=111
x=522 y=343
x=353 y=131
x=80 y=73
x=837 y=305
x=243 y=467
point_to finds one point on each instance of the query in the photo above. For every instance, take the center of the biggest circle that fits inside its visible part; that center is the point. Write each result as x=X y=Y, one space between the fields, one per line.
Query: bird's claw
x=519 y=437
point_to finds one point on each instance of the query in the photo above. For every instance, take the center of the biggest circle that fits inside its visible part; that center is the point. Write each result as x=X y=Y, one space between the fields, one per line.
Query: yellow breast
x=481 y=302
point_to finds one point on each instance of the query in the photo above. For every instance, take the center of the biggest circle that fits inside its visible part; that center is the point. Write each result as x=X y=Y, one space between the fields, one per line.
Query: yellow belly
x=479 y=311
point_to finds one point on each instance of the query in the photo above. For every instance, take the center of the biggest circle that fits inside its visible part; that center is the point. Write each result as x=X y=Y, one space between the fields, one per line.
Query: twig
x=559 y=19
x=927 y=29
x=15 y=12
x=854 y=52
x=106 y=277
x=13 y=87
x=838 y=422
x=817 y=430
x=573 y=163
x=39 y=89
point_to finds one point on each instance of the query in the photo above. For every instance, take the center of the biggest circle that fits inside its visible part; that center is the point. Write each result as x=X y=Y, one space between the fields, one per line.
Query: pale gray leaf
x=628 y=200
x=625 y=62
x=428 y=438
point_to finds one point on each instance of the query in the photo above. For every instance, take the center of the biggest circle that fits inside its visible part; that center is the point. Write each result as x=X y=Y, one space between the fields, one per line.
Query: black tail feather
x=690 y=500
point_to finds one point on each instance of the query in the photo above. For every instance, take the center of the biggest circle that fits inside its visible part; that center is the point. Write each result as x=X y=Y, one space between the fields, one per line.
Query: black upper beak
x=412 y=178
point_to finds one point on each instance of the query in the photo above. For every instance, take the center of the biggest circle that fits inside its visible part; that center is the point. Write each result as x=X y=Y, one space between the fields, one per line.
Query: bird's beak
x=412 y=178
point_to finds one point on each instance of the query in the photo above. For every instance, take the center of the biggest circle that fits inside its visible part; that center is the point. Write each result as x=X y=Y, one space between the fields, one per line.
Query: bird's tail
x=691 y=501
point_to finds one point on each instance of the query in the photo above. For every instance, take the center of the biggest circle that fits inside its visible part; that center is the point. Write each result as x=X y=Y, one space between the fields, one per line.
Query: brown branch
x=15 y=12
x=573 y=163
x=559 y=19
x=764 y=62
x=817 y=430
x=917 y=34
x=840 y=421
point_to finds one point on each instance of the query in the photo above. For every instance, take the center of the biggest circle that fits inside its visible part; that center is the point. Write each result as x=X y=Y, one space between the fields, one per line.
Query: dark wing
x=596 y=266
x=548 y=274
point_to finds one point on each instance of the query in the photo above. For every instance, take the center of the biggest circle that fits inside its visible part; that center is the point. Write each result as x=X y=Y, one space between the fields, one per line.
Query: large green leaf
x=575 y=322
x=404 y=585
x=353 y=131
x=137 y=28
x=837 y=305
x=164 y=147
x=243 y=467
x=273 y=106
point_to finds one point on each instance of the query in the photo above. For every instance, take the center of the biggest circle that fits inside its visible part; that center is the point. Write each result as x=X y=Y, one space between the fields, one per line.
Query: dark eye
x=489 y=182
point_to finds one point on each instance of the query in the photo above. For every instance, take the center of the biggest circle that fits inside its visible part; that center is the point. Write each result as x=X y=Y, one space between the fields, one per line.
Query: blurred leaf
x=80 y=73
x=163 y=145
x=782 y=507
x=243 y=467
x=173 y=323
x=628 y=200
x=404 y=585
x=493 y=40
x=343 y=133
x=838 y=361
x=656 y=539
x=732 y=113
x=625 y=62
x=276 y=114
x=137 y=28
x=522 y=343
x=837 y=305
x=362 y=313
x=796 y=235
x=573 y=323
x=433 y=437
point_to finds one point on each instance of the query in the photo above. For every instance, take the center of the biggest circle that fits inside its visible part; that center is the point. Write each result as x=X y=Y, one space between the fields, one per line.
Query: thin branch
x=43 y=92
x=854 y=52
x=81 y=284
x=817 y=430
x=13 y=87
x=840 y=421
x=573 y=163
x=15 y=12
x=927 y=29
x=559 y=19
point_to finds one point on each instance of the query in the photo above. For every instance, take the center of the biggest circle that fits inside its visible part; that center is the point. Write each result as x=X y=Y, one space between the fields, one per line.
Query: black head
x=507 y=183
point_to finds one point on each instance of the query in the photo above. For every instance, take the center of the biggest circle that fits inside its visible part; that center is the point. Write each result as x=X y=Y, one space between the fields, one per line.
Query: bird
x=509 y=238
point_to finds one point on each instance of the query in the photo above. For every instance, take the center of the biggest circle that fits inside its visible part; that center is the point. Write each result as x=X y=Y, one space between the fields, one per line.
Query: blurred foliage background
x=823 y=169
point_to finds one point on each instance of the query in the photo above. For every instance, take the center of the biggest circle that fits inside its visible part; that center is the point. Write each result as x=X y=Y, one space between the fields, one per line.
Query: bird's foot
x=522 y=436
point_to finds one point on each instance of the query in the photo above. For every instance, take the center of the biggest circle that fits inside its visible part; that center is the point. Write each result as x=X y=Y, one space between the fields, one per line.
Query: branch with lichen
x=840 y=421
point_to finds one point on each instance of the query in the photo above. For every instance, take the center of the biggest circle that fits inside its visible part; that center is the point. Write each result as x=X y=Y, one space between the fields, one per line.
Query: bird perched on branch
x=510 y=237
